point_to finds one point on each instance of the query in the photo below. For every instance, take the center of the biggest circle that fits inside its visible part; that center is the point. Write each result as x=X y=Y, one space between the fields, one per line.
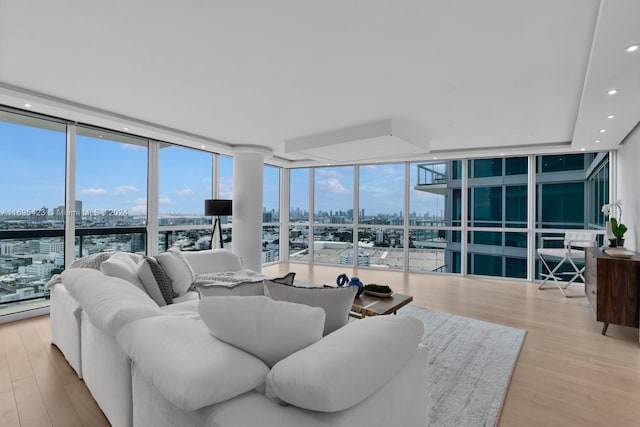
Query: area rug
x=470 y=363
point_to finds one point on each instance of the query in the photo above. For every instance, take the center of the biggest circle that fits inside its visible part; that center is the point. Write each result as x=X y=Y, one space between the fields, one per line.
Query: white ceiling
x=466 y=76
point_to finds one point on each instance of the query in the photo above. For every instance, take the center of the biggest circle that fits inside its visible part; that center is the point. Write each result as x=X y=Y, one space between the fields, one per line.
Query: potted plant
x=615 y=228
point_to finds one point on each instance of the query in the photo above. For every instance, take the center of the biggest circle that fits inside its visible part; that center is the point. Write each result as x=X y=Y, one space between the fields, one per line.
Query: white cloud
x=133 y=147
x=93 y=192
x=326 y=172
x=332 y=185
x=139 y=201
x=185 y=192
x=139 y=209
x=121 y=189
x=164 y=200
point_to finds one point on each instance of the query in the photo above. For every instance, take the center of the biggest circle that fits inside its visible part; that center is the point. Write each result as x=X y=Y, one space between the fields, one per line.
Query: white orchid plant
x=617 y=227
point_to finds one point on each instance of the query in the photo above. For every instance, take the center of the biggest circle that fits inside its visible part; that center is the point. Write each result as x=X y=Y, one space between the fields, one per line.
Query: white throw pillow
x=178 y=269
x=121 y=265
x=347 y=366
x=188 y=366
x=110 y=302
x=336 y=302
x=270 y=330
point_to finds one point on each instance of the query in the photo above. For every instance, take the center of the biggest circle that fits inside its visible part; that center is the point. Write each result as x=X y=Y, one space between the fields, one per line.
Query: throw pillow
x=123 y=266
x=344 y=368
x=287 y=279
x=155 y=281
x=270 y=330
x=178 y=269
x=336 y=302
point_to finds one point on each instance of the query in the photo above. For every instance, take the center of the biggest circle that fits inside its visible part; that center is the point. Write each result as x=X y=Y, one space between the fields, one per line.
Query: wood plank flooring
x=567 y=374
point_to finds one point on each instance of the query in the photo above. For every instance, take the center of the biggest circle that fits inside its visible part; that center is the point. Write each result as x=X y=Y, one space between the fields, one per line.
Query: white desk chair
x=573 y=250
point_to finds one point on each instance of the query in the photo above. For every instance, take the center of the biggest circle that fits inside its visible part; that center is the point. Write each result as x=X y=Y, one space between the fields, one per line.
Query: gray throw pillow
x=155 y=281
x=287 y=279
x=336 y=302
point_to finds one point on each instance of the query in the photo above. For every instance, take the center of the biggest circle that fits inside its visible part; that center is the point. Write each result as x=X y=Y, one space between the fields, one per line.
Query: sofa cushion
x=270 y=330
x=178 y=269
x=121 y=265
x=155 y=281
x=189 y=367
x=347 y=366
x=213 y=260
x=109 y=302
x=336 y=302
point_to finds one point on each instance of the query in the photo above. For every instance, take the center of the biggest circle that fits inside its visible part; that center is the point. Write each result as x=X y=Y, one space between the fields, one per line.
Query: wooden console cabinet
x=612 y=287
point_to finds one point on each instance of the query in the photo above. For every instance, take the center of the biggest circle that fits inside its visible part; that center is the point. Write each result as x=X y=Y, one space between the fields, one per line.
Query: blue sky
x=113 y=175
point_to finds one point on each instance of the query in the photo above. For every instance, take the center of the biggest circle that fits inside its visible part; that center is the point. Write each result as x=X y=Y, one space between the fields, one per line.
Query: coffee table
x=368 y=305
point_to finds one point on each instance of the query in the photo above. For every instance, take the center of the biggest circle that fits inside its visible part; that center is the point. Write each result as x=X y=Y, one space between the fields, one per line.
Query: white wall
x=629 y=188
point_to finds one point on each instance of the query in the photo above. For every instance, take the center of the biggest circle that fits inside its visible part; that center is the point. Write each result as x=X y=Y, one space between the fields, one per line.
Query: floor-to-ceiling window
x=497 y=217
x=333 y=215
x=299 y=214
x=435 y=209
x=271 y=214
x=111 y=192
x=381 y=215
x=568 y=192
x=185 y=181
x=225 y=191
x=32 y=209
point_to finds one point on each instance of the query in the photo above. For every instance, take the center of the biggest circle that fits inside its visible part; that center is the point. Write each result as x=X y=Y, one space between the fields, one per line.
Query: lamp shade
x=217 y=207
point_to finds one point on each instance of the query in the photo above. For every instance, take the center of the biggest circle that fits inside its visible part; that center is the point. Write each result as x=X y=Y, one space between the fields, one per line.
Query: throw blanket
x=228 y=279
x=92 y=261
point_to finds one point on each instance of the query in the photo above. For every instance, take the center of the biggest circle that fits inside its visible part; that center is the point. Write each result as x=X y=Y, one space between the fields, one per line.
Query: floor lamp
x=217 y=208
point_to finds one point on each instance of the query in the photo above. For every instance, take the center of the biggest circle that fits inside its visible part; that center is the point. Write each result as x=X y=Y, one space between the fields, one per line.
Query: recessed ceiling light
x=597 y=141
x=603 y=130
x=125 y=128
x=632 y=48
x=99 y=136
x=502 y=154
x=202 y=146
x=582 y=149
x=613 y=91
x=610 y=116
x=27 y=105
x=435 y=158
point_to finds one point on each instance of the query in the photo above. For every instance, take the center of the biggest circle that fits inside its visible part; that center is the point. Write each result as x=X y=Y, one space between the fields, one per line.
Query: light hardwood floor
x=567 y=374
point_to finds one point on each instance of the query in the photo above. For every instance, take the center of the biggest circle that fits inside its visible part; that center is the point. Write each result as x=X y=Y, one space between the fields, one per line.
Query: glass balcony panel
x=270 y=244
x=333 y=245
x=185 y=240
x=298 y=243
x=381 y=247
x=434 y=251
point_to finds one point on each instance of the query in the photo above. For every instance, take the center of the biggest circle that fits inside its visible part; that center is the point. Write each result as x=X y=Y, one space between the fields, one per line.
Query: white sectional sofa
x=147 y=365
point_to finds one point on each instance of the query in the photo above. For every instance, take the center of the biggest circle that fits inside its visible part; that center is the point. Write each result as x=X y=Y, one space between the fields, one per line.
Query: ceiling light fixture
x=612 y=91
x=632 y=48
x=582 y=149
x=603 y=130
x=202 y=146
x=125 y=128
x=435 y=158
x=27 y=105
x=610 y=116
x=597 y=141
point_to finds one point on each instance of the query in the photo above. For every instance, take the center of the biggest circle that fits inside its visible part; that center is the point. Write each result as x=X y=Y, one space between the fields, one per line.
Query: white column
x=248 y=173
